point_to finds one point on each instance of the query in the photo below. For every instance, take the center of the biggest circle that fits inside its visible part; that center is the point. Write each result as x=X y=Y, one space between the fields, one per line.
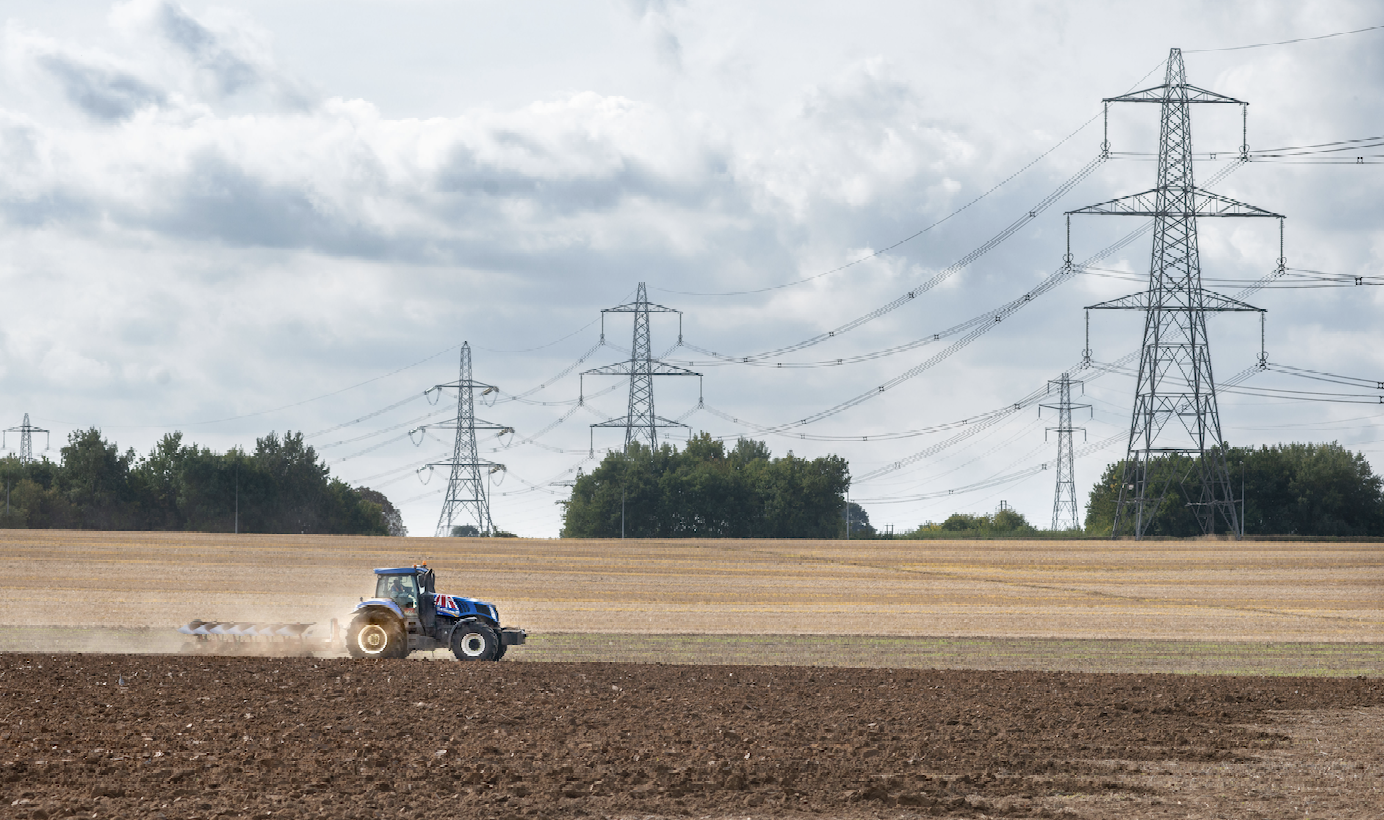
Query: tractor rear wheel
x=376 y=635
x=474 y=641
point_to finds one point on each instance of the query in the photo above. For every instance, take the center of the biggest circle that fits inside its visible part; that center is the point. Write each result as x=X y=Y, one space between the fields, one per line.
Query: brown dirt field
x=1173 y=591
x=202 y=737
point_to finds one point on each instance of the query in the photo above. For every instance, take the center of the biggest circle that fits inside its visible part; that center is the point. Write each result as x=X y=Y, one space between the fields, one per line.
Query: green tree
x=393 y=519
x=95 y=478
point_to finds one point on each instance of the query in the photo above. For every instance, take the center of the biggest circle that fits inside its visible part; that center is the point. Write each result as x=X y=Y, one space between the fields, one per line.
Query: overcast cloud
x=213 y=215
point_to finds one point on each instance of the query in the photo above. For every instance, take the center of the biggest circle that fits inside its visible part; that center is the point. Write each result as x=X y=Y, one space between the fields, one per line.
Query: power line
x=1285 y=42
x=561 y=374
x=993 y=481
x=1318 y=375
x=937 y=279
x=381 y=431
x=413 y=397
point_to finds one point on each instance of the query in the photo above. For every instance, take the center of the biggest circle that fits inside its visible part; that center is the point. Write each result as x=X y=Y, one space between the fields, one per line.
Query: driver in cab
x=396 y=590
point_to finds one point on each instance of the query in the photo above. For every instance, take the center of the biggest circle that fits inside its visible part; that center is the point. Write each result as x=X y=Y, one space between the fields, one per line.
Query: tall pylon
x=467 y=497
x=1065 y=510
x=26 y=439
x=640 y=422
x=1175 y=410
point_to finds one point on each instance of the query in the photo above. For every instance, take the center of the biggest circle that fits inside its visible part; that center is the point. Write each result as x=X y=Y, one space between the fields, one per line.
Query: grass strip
x=1039 y=654
x=1304 y=659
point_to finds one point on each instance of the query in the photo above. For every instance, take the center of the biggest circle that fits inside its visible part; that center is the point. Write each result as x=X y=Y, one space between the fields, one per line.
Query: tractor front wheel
x=374 y=635
x=474 y=641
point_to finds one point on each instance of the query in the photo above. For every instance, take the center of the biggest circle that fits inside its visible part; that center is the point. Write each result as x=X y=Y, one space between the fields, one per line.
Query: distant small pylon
x=1065 y=510
x=26 y=439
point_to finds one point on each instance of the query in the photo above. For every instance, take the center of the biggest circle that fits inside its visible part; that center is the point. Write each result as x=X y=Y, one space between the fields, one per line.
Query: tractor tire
x=373 y=635
x=500 y=651
x=474 y=641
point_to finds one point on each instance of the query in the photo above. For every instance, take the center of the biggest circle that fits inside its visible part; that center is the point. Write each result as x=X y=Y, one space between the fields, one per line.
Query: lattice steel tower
x=1065 y=510
x=26 y=439
x=466 y=489
x=640 y=422
x=1175 y=410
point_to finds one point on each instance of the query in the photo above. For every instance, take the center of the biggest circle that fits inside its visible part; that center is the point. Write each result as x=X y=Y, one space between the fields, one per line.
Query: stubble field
x=695 y=679
x=1170 y=591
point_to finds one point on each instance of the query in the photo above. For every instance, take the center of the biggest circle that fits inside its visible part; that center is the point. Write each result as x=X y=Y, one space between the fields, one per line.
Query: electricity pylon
x=1175 y=410
x=466 y=489
x=26 y=439
x=1065 y=511
x=640 y=422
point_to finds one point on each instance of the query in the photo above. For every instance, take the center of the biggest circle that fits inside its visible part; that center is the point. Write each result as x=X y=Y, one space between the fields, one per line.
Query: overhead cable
x=937 y=279
x=1293 y=41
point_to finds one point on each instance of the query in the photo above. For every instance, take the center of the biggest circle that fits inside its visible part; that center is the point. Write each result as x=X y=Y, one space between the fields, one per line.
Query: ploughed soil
x=211 y=736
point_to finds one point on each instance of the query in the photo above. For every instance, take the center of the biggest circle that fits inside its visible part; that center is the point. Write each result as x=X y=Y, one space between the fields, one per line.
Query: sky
x=230 y=219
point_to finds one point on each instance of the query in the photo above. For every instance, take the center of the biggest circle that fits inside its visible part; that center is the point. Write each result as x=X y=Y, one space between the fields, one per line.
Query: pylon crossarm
x=659 y=421
x=1211 y=302
x=1145 y=203
x=461 y=464
x=656 y=368
x=620 y=422
x=464 y=384
x=633 y=307
x=1188 y=93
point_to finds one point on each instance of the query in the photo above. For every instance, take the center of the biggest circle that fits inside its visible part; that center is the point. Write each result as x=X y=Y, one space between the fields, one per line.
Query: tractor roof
x=415 y=570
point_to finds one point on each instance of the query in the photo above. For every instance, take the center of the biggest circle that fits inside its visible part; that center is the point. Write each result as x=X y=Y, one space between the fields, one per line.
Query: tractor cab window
x=397 y=588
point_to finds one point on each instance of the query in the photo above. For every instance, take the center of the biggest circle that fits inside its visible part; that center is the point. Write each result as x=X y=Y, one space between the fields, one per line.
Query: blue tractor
x=406 y=614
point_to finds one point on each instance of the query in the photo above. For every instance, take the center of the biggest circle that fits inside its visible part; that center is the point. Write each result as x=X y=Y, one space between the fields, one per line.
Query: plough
x=257 y=638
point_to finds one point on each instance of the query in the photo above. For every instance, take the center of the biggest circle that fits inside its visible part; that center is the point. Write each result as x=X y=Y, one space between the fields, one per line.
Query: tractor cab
x=411 y=588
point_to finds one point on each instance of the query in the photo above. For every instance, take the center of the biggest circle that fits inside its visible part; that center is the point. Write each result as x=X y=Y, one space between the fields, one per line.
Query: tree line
x=707 y=491
x=280 y=487
x=1284 y=489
